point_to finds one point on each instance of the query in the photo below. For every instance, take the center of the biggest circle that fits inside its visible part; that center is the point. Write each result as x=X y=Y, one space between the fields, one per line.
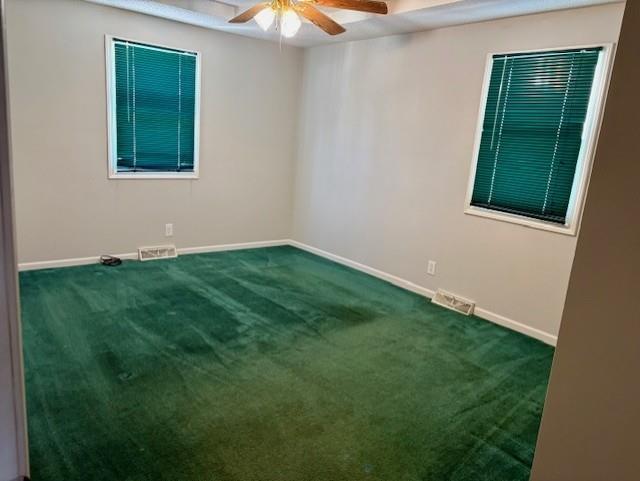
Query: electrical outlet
x=431 y=268
x=168 y=230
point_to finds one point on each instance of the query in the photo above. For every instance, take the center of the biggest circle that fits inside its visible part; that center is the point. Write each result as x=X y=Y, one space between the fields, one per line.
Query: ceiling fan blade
x=249 y=14
x=318 y=18
x=359 y=5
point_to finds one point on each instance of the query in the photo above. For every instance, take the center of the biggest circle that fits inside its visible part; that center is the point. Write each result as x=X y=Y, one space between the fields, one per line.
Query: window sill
x=569 y=230
x=154 y=175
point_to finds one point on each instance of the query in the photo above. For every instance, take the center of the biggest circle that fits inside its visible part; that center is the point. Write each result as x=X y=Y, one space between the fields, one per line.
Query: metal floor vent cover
x=157 y=252
x=454 y=302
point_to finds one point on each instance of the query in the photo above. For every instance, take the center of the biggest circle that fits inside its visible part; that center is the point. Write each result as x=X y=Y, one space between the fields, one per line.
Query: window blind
x=155 y=108
x=532 y=132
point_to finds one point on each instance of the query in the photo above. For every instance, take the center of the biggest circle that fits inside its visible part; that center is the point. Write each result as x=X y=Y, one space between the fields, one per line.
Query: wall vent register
x=157 y=252
x=453 y=302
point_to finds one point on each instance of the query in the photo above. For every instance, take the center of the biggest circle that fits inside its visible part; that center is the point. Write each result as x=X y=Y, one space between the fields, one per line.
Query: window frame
x=112 y=135
x=588 y=145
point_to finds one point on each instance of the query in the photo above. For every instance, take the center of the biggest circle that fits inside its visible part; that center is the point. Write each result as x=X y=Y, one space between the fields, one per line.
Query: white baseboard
x=233 y=247
x=405 y=284
x=395 y=280
x=76 y=261
x=398 y=281
x=516 y=326
x=79 y=261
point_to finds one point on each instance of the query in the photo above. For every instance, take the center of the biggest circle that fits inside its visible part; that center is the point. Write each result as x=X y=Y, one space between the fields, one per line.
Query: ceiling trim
x=404 y=16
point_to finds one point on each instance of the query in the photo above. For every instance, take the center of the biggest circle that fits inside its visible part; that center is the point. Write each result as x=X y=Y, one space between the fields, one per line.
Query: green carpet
x=268 y=365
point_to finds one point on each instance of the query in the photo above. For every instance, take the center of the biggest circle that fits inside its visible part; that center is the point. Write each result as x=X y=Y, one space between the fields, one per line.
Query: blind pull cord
x=504 y=112
x=133 y=73
x=128 y=85
x=555 y=147
x=179 y=104
x=495 y=118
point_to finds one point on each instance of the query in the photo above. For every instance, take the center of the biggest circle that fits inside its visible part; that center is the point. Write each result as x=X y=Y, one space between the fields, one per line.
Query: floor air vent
x=453 y=302
x=157 y=252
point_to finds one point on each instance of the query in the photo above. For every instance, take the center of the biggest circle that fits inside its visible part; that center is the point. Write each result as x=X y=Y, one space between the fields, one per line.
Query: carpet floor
x=269 y=365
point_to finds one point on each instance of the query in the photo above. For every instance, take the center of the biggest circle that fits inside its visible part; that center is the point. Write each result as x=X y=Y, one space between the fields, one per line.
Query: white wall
x=65 y=205
x=589 y=429
x=387 y=129
x=380 y=132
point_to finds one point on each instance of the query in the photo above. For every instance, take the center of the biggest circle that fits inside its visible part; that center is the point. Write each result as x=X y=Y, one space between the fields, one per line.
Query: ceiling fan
x=286 y=14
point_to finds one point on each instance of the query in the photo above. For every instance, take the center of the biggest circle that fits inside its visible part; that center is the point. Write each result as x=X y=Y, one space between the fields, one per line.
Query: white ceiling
x=404 y=16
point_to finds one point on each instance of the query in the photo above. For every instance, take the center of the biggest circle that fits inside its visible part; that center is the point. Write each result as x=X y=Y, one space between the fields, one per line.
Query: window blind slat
x=155 y=108
x=532 y=132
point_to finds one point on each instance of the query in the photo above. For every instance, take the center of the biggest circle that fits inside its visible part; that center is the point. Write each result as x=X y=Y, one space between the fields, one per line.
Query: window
x=537 y=135
x=153 y=103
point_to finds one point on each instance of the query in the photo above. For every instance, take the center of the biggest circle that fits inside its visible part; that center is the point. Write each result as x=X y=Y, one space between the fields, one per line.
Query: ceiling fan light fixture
x=289 y=23
x=265 y=18
x=285 y=13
